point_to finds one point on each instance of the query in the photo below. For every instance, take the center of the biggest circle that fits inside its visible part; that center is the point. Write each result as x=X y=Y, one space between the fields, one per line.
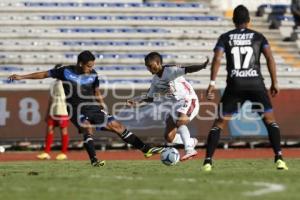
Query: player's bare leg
x=178 y=133
x=170 y=132
x=132 y=139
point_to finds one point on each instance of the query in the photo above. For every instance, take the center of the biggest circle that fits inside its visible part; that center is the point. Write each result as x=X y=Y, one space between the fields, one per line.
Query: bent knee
x=116 y=126
x=269 y=120
x=168 y=138
x=220 y=123
x=182 y=122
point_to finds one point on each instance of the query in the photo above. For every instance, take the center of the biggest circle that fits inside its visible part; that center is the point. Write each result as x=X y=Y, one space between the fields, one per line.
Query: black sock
x=132 y=139
x=212 y=143
x=88 y=143
x=274 y=137
x=278 y=157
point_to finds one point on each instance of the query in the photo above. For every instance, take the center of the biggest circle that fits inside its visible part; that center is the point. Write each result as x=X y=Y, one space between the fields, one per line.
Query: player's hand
x=274 y=90
x=14 y=77
x=206 y=62
x=210 y=95
x=104 y=109
x=101 y=107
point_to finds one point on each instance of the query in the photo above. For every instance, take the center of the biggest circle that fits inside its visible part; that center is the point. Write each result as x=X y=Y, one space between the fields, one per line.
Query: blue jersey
x=79 y=88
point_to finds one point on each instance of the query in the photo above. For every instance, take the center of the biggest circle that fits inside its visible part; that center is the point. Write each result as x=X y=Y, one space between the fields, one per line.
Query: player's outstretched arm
x=195 y=68
x=36 y=75
x=100 y=98
x=140 y=102
x=272 y=70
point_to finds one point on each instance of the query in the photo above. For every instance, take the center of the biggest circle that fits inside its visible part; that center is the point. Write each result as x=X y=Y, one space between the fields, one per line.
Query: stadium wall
x=22 y=117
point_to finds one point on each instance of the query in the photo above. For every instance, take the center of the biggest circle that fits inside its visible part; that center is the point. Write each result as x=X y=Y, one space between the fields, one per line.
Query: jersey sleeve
x=174 y=72
x=264 y=42
x=57 y=73
x=220 y=45
x=96 y=82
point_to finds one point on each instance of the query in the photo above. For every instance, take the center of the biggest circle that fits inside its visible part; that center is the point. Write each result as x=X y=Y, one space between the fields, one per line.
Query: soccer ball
x=170 y=156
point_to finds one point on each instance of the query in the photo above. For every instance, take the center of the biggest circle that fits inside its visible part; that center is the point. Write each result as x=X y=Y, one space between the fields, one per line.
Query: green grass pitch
x=149 y=180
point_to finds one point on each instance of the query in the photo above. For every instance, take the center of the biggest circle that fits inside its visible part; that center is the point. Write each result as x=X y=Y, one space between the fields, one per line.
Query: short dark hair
x=241 y=15
x=84 y=57
x=153 y=56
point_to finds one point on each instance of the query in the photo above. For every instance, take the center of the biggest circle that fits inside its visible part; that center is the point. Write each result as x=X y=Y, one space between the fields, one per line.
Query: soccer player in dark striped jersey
x=243 y=48
x=85 y=104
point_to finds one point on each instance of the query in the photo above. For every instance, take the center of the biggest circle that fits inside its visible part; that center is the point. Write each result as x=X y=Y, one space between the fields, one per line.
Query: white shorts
x=155 y=114
x=190 y=108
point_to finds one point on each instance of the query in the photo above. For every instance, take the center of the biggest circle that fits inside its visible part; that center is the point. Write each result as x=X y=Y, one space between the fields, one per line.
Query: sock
x=212 y=144
x=177 y=139
x=48 y=142
x=185 y=137
x=132 y=139
x=64 y=143
x=274 y=137
x=89 y=146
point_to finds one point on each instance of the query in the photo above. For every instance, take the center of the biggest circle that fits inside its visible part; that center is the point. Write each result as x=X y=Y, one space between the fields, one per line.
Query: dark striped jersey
x=79 y=88
x=243 y=48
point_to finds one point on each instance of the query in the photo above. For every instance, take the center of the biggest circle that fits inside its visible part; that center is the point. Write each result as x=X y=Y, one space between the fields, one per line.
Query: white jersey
x=172 y=83
x=58 y=100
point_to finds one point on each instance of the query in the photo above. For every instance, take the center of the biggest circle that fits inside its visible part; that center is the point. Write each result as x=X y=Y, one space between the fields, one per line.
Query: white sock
x=177 y=139
x=186 y=137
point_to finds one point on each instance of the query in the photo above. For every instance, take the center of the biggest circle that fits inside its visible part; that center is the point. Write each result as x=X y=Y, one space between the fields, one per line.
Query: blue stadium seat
x=97 y=43
x=6 y=81
x=112 y=30
x=116 y=56
x=111 y=5
x=121 y=68
x=278 y=9
x=135 y=81
x=137 y=18
x=285 y=18
x=275 y=7
x=124 y=81
x=10 y=68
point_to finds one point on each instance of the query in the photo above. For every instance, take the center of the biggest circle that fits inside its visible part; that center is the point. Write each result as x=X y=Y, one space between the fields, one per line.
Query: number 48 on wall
x=28 y=111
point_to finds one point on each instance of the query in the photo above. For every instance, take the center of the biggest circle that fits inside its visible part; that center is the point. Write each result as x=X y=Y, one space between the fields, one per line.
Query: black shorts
x=92 y=113
x=232 y=100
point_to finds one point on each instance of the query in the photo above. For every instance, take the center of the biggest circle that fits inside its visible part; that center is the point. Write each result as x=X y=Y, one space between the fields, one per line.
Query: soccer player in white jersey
x=168 y=81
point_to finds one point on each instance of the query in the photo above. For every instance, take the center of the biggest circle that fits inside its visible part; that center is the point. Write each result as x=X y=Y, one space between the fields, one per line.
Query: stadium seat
x=182 y=32
x=276 y=9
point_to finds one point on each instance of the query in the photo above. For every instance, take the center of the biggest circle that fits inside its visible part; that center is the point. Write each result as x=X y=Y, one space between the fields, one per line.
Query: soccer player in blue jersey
x=81 y=87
